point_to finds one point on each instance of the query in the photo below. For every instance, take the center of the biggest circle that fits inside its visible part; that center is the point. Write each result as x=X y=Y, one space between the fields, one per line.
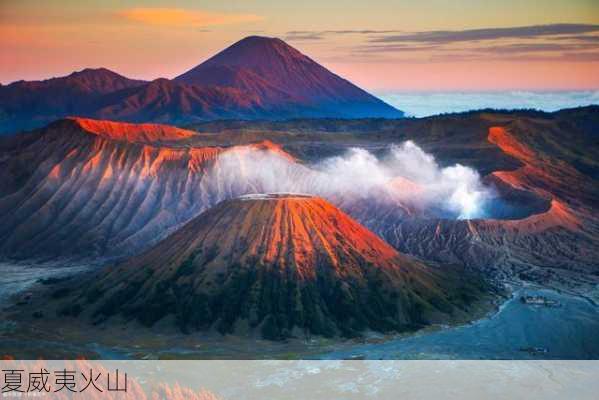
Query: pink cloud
x=183 y=17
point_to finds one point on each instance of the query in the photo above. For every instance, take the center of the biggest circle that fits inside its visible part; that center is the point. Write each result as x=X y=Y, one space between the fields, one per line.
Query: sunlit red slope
x=277 y=266
x=134 y=133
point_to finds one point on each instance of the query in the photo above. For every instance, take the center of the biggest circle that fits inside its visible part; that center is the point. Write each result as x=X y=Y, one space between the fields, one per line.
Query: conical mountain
x=269 y=67
x=276 y=266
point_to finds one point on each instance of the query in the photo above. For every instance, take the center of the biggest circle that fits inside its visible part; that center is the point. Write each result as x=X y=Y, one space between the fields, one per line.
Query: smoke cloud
x=405 y=176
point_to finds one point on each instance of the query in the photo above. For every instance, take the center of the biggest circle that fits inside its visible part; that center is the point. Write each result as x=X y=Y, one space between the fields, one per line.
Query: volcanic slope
x=277 y=266
x=90 y=188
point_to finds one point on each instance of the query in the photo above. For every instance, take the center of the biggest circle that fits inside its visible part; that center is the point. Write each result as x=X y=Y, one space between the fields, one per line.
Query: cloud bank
x=568 y=31
x=467 y=35
x=426 y=104
x=567 y=42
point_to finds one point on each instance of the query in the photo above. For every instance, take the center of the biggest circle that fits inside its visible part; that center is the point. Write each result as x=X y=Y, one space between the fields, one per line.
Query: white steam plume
x=405 y=175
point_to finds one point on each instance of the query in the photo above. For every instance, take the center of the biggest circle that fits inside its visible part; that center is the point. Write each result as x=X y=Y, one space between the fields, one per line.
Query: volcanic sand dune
x=277 y=266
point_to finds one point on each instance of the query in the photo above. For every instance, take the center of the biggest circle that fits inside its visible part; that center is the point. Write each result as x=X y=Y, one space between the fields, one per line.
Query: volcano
x=279 y=74
x=277 y=265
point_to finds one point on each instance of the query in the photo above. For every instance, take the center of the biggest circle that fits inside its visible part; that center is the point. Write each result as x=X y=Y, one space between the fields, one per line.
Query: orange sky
x=401 y=45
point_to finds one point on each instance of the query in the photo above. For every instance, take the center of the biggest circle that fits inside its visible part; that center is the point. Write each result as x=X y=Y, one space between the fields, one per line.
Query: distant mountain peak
x=99 y=80
x=286 y=73
x=257 y=53
x=257 y=39
x=250 y=51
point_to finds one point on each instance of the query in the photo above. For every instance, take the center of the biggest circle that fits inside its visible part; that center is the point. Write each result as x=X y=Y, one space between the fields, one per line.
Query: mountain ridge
x=287 y=85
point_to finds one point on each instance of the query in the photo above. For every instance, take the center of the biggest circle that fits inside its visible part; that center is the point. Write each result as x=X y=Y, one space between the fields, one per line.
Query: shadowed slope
x=172 y=102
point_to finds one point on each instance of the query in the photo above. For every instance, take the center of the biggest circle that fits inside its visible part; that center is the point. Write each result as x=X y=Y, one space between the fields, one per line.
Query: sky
x=381 y=45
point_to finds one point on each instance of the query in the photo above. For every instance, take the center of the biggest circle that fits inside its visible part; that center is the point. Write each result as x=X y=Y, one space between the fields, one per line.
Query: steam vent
x=276 y=266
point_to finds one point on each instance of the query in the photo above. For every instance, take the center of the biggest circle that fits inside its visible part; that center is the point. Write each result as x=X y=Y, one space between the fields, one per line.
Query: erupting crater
x=536 y=216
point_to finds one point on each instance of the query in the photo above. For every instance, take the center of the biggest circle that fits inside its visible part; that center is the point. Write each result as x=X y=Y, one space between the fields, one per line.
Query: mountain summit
x=270 y=68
